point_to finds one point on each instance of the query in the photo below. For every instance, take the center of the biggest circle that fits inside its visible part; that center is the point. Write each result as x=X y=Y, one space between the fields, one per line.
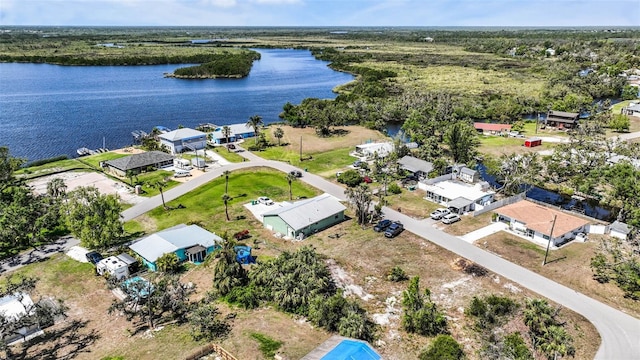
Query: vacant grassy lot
x=568 y=266
x=230 y=156
x=50 y=168
x=499 y=145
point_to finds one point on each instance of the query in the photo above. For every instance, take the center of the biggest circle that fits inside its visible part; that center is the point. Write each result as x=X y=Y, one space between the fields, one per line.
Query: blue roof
x=351 y=350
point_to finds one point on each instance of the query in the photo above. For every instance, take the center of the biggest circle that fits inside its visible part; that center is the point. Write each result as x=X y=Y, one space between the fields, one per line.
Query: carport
x=460 y=205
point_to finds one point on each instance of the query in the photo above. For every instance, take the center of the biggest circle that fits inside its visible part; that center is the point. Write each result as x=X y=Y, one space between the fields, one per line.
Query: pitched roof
x=540 y=218
x=491 y=127
x=178 y=237
x=136 y=161
x=620 y=227
x=306 y=212
x=413 y=164
x=15 y=306
x=182 y=134
x=562 y=116
x=236 y=129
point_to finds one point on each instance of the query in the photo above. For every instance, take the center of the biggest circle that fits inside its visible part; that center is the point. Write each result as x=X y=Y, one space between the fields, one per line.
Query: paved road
x=620 y=332
x=32 y=256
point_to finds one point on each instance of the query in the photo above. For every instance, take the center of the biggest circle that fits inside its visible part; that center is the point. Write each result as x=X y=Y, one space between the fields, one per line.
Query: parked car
x=94 y=257
x=295 y=173
x=450 y=218
x=439 y=213
x=394 y=229
x=265 y=200
x=231 y=146
x=357 y=163
x=382 y=225
x=367 y=179
x=181 y=173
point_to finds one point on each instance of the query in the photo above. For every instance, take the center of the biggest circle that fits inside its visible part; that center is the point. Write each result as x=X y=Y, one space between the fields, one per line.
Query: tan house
x=562 y=119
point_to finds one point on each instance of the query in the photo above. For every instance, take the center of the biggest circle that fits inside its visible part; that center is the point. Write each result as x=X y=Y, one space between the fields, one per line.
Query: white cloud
x=277 y=2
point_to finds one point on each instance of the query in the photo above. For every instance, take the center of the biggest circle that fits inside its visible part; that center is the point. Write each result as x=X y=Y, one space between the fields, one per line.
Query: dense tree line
x=221 y=65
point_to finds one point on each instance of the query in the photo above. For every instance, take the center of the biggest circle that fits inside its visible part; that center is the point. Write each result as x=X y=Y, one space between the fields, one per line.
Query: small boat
x=83 y=151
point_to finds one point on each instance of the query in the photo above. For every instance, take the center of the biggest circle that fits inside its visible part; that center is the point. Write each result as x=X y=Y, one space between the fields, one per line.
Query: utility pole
x=300 y=147
x=544 y=262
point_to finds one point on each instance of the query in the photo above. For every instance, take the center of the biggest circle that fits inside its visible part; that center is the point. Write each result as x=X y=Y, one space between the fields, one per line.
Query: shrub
x=351 y=178
x=444 y=347
x=268 y=346
x=397 y=274
x=394 y=188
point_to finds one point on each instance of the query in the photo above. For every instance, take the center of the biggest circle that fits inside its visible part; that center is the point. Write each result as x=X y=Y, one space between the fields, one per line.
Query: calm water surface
x=50 y=110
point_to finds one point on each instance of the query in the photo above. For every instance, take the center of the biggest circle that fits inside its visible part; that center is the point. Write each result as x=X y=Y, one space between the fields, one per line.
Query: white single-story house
x=458 y=196
x=418 y=167
x=189 y=242
x=633 y=109
x=370 y=150
x=619 y=230
x=13 y=308
x=184 y=139
x=537 y=222
x=305 y=217
x=237 y=132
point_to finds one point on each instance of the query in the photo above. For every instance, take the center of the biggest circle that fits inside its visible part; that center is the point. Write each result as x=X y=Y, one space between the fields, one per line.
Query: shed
x=533 y=142
x=619 y=230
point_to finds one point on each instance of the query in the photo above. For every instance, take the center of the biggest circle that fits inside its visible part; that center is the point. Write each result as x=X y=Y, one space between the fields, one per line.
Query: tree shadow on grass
x=62 y=343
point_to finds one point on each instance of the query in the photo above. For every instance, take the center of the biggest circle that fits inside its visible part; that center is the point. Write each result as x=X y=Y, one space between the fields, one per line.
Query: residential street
x=620 y=332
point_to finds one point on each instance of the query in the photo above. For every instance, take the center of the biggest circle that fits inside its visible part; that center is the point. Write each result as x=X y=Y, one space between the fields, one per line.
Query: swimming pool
x=137 y=287
x=351 y=350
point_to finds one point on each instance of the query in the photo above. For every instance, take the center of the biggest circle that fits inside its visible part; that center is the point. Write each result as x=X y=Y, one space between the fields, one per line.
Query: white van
x=181 y=173
x=114 y=267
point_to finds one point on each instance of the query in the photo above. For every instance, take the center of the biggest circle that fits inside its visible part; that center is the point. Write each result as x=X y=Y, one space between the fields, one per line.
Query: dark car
x=393 y=230
x=382 y=225
x=295 y=173
x=94 y=257
x=231 y=146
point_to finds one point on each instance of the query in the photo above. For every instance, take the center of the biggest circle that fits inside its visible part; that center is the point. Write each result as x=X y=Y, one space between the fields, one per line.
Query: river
x=50 y=110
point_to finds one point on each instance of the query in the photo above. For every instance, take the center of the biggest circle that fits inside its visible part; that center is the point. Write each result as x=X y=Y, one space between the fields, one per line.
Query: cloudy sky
x=321 y=12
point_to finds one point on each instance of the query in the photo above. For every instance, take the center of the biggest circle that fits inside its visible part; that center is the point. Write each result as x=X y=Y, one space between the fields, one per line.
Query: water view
x=50 y=110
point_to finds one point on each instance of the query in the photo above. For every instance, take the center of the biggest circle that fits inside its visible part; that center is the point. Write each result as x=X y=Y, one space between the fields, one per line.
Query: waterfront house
x=370 y=150
x=418 y=167
x=138 y=163
x=237 y=132
x=619 y=230
x=540 y=223
x=189 y=242
x=561 y=119
x=184 y=139
x=632 y=110
x=492 y=129
x=305 y=217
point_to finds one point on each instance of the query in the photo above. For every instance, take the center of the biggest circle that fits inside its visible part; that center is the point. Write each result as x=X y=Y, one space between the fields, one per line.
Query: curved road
x=620 y=332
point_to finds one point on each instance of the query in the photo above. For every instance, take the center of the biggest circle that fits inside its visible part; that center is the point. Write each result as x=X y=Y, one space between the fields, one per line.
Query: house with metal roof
x=492 y=129
x=369 y=150
x=562 y=119
x=633 y=110
x=184 y=139
x=189 y=242
x=237 y=132
x=138 y=163
x=305 y=217
x=540 y=223
x=418 y=167
x=456 y=195
x=13 y=308
x=619 y=230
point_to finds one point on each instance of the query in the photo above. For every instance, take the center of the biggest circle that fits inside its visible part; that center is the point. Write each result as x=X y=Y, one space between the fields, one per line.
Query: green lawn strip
x=51 y=168
x=411 y=203
x=325 y=163
x=268 y=346
x=94 y=160
x=228 y=155
x=204 y=205
x=148 y=178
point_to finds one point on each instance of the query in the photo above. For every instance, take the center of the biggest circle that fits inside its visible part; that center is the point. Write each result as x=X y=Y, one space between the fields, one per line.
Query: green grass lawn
x=50 y=168
x=151 y=177
x=94 y=160
x=228 y=155
x=204 y=205
x=324 y=164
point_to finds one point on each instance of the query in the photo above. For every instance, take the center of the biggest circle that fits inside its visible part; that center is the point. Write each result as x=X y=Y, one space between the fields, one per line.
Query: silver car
x=450 y=218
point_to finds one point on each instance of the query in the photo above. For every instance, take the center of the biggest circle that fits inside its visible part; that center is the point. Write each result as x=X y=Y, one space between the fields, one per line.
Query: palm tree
x=226 y=184
x=255 y=122
x=290 y=178
x=226 y=199
x=278 y=133
x=226 y=132
x=160 y=184
x=130 y=174
x=56 y=188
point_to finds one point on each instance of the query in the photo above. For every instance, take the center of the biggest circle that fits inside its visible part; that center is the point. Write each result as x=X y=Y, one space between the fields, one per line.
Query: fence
x=208 y=349
x=500 y=203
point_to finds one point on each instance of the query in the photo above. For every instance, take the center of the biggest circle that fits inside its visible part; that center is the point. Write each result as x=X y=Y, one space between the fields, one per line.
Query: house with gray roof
x=305 y=217
x=189 y=242
x=138 y=163
x=633 y=110
x=418 y=167
x=562 y=119
x=184 y=139
x=619 y=230
x=237 y=132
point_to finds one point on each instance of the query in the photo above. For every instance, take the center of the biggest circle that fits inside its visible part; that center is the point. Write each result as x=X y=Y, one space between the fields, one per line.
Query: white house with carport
x=237 y=132
x=13 y=308
x=456 y=195
x=370 y=150
x=184 y=139
x=305 y=217
x=189 y=242
x=541 y=224
x=619 y=230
